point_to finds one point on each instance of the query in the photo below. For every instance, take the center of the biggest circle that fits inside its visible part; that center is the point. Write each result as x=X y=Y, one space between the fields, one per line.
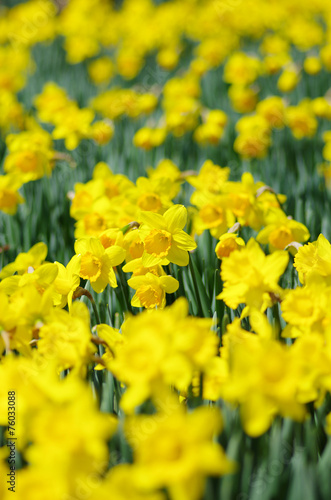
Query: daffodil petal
x=116 y=255
x=169 y=284
x=39 y=251
x=275 y=265
x=81 y=246
x=178 y=256
x=175 y=217
x=96 y=247
x=149 y=260
x=74 y=264
x=112 y=278
x=156 y=221
x=135 y=301
x=184 y=241
x=137 y=281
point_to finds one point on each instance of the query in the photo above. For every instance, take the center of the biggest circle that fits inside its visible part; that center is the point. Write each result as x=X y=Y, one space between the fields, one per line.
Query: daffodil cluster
x=156 y=350
x=186 y=332
x=117 y=44
x=71 y=122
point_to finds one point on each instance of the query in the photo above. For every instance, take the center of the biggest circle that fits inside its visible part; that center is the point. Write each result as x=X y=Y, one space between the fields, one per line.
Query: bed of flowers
x=165 y=264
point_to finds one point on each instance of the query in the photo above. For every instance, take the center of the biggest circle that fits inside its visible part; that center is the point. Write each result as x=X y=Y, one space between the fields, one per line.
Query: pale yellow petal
x=175 y=217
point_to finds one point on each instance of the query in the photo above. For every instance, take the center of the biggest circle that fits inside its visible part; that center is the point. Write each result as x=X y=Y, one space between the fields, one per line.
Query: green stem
x=129 y=226
x=196 y=288
x=124 y=286
x=82 y=291
x=95 y=310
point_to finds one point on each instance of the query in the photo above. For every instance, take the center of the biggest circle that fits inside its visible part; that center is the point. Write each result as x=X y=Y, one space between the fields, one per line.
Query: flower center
x=239 y=203
x=27 y=161
x=226 y=247
x=136 y=249
x=149 y=202
x=212 y=215
x=281 y=237
x=94 y=224
x=107 y=241
x=90 y=268
x=149 y=296
x=111 y=189
x=81 y=201
x=8 y=199
x=158 y=243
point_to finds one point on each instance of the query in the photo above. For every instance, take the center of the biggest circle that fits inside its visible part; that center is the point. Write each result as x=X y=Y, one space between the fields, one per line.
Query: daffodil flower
x=314 y=258
x=227 y=243
x=251 y=277
x=67 y=281
x=97 y=262
x=179 y=450
x=9 y=195
x=164 y=238
x=151 y=290
x=33 y=258
x=280 y=231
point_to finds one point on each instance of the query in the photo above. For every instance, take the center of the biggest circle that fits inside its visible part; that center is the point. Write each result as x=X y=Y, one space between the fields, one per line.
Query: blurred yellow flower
x=251 y=277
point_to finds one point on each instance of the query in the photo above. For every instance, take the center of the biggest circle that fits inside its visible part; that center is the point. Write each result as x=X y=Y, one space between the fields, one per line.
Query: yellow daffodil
x=262 y=376
x=101 y=70
x=31 y=154
x=314 y=258
x=31 y=259
x=280 y=231
x=178 y=452
x=96 y=263
x=289 y=79
x=164 y=238
x=122 y=482
x=10 y=198
x=227 y=243
x=158 y=348
x=306 y=309
x=66 y=281
x=273 y=110
x=151 y=290
x=241 y=69
x=211 y=178
x=136 y=267
x=214 y=213
x=251 y=277
x=301 y=120
x=68 y=337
